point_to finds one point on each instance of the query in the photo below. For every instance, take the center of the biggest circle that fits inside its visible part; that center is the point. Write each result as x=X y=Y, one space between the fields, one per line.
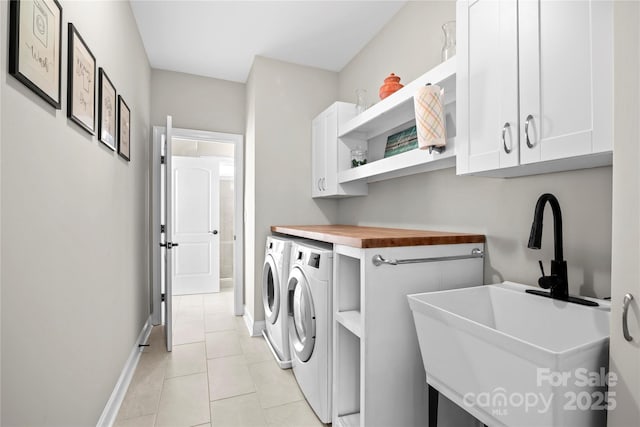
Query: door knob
x=214 y=232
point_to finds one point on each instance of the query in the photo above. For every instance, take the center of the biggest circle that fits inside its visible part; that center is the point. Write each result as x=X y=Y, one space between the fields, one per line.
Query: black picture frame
x=124 y=129
x=107 y=110
x=81 y=82
x=35 y=57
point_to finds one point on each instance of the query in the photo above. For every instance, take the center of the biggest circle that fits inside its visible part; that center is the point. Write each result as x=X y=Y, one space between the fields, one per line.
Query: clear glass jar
x=361 y=100
x=449 y=46
x=358 y=157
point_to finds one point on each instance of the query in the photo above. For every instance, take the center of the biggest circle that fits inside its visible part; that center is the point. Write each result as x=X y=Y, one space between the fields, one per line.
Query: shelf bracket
x=438 y=150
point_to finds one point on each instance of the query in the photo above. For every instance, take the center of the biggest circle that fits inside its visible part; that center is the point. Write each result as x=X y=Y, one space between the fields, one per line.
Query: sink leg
x=433 y=407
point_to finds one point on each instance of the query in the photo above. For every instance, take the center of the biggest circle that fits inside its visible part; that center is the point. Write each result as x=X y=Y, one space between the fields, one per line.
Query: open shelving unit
x=378 y=375
x=347 y=337
x=370 y=129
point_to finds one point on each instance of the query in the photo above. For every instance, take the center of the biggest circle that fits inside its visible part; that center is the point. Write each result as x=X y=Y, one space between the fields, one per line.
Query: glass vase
x=361 y=100
x=449 y=46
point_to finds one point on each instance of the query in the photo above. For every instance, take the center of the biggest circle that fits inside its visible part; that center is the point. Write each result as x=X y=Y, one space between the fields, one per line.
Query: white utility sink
x=515 y=359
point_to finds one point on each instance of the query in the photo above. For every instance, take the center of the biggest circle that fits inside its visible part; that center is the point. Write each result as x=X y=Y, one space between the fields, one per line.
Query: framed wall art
x=124 y=129
x=106 y=110
x=81 y=83
x=35 y=40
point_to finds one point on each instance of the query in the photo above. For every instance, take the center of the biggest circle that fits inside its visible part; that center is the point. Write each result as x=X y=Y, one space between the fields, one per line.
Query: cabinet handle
x=625 y=311
x=504 y=143
x=319 y=186
x=526 y=130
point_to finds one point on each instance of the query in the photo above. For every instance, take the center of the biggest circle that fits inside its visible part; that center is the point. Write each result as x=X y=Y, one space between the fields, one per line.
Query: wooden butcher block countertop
x=375 y=237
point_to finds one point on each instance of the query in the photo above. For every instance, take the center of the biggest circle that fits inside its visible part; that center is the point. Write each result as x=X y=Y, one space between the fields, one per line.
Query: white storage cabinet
x=534 y=86
x=324 y=153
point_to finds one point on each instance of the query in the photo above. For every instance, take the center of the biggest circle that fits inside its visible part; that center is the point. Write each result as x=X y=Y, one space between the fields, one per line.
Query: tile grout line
x=206 y=363
x=164 y=378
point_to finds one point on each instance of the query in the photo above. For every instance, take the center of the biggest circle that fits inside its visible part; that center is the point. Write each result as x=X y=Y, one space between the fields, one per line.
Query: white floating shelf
x=408 y=163
x=351 y=420
x=350 y=320
x=397 y=108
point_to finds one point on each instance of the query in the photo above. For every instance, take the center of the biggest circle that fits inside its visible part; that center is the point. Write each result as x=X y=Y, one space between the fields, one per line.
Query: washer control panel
x=314 y=260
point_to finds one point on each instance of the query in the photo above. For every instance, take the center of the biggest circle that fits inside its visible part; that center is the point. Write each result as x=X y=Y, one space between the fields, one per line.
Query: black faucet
x=557 y=282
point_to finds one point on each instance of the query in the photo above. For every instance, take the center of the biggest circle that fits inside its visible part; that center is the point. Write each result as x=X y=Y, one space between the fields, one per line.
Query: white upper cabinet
x=487 y=82
x=535 y=86
x=324 y=153
x=318 y=155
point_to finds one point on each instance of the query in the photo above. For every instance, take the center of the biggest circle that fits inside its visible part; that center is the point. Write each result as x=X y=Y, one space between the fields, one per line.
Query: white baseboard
x=255 y=328
x=108 y=417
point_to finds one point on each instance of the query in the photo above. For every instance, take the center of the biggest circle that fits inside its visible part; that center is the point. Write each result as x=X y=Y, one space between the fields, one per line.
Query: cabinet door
x=566 y=88
x=487 y=82
x=318 y=155
x=330 y=182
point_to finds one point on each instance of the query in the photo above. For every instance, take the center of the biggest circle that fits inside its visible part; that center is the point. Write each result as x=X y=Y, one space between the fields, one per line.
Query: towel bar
x=378 y=260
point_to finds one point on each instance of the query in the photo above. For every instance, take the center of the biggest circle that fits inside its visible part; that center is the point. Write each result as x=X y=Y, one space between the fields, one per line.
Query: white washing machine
x=309 y=304
x=275 y=273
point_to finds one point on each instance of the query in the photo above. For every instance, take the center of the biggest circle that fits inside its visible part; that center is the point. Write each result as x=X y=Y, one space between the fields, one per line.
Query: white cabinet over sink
x=534 y=86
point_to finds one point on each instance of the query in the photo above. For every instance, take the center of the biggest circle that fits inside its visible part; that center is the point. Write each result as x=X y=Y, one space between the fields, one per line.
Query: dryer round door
x=270 y=290
x=302 y=315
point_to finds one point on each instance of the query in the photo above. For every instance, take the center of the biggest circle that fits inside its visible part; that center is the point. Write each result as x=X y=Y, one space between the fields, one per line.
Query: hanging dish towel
x=429 y=108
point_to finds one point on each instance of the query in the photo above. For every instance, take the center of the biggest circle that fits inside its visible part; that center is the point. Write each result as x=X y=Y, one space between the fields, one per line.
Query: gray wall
x=282 y=100
x=408 y=46
x=197 y=102
x=501 y=209
x=227 y=199
x=75 y=291
x=626 y=211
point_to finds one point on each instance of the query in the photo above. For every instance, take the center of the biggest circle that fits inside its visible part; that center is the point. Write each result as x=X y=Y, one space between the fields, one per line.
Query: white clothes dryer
x=309 y=302
x=275 y=273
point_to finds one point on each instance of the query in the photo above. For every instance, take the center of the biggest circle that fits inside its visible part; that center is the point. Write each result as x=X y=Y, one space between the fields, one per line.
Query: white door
x=319 y=159
x=330 y=180
x=270 y=290
x=488 y=84
x=196 y=208
x=168 y=244
x=565 y=52
x=302 y=315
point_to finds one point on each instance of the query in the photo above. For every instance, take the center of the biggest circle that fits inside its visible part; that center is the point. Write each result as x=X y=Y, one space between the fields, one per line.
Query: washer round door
x=302 y=316
x=270 y=290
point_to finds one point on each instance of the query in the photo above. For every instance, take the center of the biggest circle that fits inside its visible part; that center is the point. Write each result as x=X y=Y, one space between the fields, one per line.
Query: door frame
x=238 y=249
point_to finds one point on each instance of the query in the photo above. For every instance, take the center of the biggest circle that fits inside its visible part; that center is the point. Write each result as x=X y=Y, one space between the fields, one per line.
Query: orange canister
x=390 y=85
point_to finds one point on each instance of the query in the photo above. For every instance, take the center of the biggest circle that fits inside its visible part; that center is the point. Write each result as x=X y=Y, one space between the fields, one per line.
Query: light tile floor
x=216 y=375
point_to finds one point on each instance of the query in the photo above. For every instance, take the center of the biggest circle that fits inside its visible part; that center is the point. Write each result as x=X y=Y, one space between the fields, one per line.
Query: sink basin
x=515 y=359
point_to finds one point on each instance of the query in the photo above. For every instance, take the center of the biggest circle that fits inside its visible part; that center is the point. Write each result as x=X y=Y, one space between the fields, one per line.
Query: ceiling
x=220 y=38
